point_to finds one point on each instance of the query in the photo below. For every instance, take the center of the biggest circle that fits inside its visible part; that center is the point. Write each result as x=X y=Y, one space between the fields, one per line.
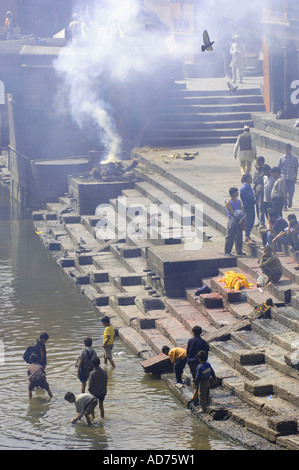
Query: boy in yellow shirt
x=108 y=340
x=178 y=357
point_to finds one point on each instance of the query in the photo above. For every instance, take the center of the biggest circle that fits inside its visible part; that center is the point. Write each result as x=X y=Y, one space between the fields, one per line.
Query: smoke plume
x=114 y=41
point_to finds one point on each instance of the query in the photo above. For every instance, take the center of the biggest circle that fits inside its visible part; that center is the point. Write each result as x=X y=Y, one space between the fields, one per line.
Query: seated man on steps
x=277 y=226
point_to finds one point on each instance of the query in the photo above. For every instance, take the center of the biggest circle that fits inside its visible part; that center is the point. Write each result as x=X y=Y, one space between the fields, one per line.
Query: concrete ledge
x=249 y=357
x=259 y=388
x=135 y=341
x=84 y=259
x=212 y=300
x=54 y=246
x=124 y=299
x=130 y=280
x=158 y=364
x=67 y=262
x=149 y=303
x=101 y=299
x=100 y=276
x=283 y=425
x=37 y=215
x=82 y=279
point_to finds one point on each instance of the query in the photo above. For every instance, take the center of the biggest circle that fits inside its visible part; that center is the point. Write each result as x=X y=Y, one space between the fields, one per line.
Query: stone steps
x=196 y=126
x=137 y=210
x=220 y=99
x=232 y=108
x=201 y=107
x=274 y=134
x=118 y=283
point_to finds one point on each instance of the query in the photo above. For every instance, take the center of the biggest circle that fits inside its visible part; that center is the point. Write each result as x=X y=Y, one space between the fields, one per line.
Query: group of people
x=196 y=356
x=89 y=372
x=263 y=196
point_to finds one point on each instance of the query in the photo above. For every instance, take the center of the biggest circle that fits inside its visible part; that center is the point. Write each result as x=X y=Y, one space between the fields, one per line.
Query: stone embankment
x=137 y=282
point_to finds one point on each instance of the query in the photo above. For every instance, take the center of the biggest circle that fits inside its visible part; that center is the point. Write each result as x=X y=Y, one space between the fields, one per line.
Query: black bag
x=86 y=365
x=27 y=354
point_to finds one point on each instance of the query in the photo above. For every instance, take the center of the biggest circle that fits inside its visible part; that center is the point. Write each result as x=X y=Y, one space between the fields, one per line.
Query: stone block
x=147 y=323
x=84 y=259
x=71 y=219
x=101 y=300
x=37 y=215
x=283 y=424
x=101 y=276
x=249 y=357
x=212 y=300
x=259 y=388
x=131 y=252
x=67 y=262
x=150 y=303
x=157 y=365
x=83 y=279
x=54 y=246
x=130 y=280
x=50 y=216
x=125 y=299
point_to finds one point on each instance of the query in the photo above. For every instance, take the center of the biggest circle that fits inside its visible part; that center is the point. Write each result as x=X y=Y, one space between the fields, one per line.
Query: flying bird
x=207 y=43
x=231 y=87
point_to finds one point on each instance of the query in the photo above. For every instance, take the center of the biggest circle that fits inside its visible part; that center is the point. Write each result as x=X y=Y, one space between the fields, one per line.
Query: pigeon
x=232 y=87
x=207 y=43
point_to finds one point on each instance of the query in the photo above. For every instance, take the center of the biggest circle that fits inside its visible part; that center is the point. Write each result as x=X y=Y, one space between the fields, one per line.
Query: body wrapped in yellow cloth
x=235 y=280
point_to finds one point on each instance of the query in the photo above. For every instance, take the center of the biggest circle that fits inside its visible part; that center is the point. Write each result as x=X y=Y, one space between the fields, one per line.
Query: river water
x=36 y=296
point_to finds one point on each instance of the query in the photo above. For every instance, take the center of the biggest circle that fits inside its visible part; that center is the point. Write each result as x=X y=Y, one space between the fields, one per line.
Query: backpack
x=87 y=365
x=26 y=356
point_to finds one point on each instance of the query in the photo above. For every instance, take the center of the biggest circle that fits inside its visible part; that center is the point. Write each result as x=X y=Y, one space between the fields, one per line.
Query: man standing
x=246 y=149
x=248 y=202
x=237 y=50
x=278 y=193
x=288 y=165
x=40 y=349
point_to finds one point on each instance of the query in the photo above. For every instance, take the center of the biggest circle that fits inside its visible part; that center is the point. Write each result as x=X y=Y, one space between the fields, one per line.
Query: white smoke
x=114 y=44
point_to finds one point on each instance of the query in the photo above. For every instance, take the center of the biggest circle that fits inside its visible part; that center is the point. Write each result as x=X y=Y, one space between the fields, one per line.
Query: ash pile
x=115 y=171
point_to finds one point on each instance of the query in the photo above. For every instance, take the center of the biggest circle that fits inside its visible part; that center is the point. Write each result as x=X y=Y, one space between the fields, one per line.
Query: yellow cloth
x=109 y=331
x=235 y=281
x=177 y=353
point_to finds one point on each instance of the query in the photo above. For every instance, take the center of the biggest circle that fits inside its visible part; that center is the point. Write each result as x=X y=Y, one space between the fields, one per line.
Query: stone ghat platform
x=149 y=288
x=180 y=268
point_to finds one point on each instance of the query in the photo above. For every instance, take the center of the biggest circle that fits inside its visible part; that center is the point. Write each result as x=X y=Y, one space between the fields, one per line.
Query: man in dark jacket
x=40 y=349
x=97 y=384
x=195 y=345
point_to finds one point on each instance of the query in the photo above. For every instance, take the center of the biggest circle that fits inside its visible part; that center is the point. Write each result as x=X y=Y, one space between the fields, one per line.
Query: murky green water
x=35 y=296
